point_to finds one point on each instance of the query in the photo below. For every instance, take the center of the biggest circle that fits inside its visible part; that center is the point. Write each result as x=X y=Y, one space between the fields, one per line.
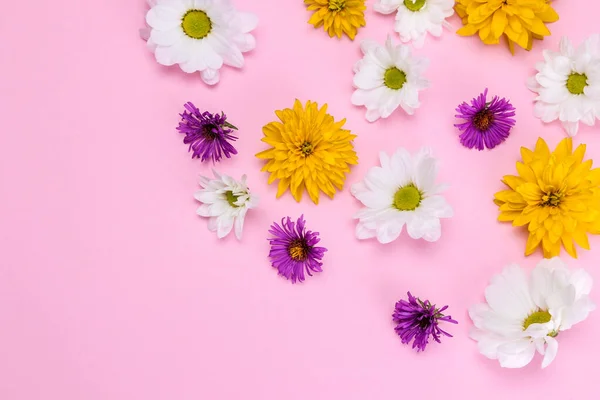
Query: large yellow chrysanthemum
x=520 y=20
x=309 y=150
x=337 y=16
x=556 y=195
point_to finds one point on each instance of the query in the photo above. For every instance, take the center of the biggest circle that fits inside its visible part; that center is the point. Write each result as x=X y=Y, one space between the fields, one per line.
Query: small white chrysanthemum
x=568 y=84
x=524 y=314
x=388 y=77
x=416 y=18
x=225 y=202
x=401 y=192
x=199 y=35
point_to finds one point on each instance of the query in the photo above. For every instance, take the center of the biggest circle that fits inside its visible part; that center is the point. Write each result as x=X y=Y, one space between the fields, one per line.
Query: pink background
x=111 y=287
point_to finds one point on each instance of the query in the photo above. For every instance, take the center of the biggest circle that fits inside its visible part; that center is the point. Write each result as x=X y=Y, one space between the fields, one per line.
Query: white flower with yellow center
x=401 y=192
x=388 y=77
x=568 y=84
x=225 y=202
x=199 y=35
x=416 y=18
x=524 y=314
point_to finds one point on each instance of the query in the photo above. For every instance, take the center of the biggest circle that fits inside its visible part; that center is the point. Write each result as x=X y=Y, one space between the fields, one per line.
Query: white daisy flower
x=225 y=202
x=416 y=18
x=401 y=192
x=568 y=84
x=199 y=35
x=388 y=77
x=524 y=314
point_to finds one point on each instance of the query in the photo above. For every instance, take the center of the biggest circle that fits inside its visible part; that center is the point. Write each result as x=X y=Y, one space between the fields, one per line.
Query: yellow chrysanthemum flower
x=309 y=151
x=520 y=20
x=337 y=16
x=556 y=195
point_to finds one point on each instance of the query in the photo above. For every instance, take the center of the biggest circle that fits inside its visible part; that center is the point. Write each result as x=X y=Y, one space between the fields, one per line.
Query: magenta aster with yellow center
x=487 y=124
x=419 y=320
x=208 y=135
x=294 y=249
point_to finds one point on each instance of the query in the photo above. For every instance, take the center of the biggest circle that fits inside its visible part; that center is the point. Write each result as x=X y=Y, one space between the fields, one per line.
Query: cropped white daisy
x=225 y=202
x=568 y=84
x=388 y=77
x=524 y=314
x=199 y=35
x=416 y=18
x=401 y=192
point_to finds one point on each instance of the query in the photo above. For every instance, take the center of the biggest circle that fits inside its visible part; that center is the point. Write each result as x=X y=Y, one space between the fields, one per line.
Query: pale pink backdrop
x=112 y=288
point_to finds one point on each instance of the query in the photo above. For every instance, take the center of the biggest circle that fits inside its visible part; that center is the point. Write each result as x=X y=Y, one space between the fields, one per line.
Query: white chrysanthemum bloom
x=401 y=192
x=225 y=202
x=388 y=77
x=568 y=84
x=416 y=18
x=524 y=314
x=199 y=35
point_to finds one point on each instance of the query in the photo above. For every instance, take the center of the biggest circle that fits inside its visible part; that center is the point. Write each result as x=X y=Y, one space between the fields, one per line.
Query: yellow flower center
x=576 y=83
x=337 y=5
x=552 y=199
x=483 y=119
x=407 y=198
x=231 y=198
x=306 y=149
x=298 y=250
x=415 y=5
x=394 y=78
x=196 y=24
x=539 y=317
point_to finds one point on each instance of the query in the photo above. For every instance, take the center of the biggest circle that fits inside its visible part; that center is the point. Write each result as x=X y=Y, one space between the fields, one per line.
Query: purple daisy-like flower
x=487 y=123
x=208 y=135
x=294 y=250
x=418 y=320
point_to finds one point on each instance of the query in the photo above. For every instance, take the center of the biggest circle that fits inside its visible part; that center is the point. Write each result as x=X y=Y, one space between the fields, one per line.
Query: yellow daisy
x=337 y=16
x=520 y=21
x=309 y=151
x=556 y=195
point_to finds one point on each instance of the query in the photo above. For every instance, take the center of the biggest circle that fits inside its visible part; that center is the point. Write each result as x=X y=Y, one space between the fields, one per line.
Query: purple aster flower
x=418 y=320
x=487 y=123
x=293 y=249
x=208 y=135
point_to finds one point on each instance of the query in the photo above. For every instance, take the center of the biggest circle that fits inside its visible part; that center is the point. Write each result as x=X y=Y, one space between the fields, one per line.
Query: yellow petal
x=563 y=150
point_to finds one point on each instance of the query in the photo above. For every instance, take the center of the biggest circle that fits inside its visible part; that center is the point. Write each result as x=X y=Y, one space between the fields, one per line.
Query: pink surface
x=112 y=288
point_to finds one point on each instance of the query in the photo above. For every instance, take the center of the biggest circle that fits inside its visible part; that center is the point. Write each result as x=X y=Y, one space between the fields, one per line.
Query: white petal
x=566 y=48
x=571 y=127
x=163 y=17
x=245 y=21
x=576 y=313
x=386 y=6
x=551 y=351
x=516 y=354
x=488 y=320
x=426 y=170
x=368 y=45
x=204 y=210
x=210 y=76
x=508 y=294
x=436 y=206
x=582 y=281
x=212 y=224
x=369 y=77
x=224 y=225
x=364 y=231
x=389 y=230
x=207 y=196
x=239 y=224
x=487 y=343
x=401 y=165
